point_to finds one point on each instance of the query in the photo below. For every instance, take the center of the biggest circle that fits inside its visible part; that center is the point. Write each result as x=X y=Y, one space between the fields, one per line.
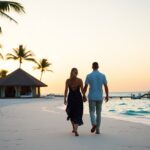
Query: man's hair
x=95 y=65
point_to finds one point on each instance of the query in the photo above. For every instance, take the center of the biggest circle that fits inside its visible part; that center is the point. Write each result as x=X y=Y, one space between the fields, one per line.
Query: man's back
x=96 y=80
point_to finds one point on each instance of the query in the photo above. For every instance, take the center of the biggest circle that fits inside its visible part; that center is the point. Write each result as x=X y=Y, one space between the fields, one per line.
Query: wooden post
x=39 y=92
x=33 y=90
x=3 y=92
x=17 y=91
x=0 y=92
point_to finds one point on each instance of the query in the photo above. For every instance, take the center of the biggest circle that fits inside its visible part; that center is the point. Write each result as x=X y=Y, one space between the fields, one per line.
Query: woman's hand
x=65 y=101
x=66 y=91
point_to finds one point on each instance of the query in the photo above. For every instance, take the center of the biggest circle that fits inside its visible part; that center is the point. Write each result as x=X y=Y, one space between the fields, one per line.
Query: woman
x=74 y=100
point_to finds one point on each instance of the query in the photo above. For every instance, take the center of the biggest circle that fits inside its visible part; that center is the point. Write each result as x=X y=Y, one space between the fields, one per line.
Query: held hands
x=84 y=98
x=106 y=99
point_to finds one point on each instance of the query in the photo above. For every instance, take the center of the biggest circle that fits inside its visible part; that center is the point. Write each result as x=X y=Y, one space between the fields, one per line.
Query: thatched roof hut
x=20 y=84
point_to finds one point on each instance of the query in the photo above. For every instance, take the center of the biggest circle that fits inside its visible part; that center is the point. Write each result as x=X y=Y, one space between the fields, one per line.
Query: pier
x=121 y=97
x=147 y=95
x=133 y=96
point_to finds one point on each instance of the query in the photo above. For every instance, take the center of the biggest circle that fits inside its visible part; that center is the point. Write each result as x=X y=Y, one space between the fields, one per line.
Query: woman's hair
x=73 y=73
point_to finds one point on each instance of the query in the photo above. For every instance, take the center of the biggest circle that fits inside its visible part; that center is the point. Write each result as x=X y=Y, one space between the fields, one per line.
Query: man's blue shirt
x=95 y=80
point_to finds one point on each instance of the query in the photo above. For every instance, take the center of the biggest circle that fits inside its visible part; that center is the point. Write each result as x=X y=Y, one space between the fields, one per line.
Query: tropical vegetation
x=7 y=6
x=3 y=73
x=21 y=54
x=42 y=65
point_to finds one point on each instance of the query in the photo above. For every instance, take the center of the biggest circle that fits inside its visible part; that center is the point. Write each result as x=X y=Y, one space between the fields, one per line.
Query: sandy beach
x=40 y=124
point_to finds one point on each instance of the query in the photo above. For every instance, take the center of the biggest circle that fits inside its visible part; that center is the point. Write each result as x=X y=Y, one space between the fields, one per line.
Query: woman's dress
x=75 y=106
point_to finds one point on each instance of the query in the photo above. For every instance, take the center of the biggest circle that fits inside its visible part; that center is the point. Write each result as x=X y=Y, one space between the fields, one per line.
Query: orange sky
x=75 y=33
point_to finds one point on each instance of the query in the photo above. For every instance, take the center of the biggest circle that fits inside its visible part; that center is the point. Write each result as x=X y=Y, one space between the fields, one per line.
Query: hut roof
x=20 y=78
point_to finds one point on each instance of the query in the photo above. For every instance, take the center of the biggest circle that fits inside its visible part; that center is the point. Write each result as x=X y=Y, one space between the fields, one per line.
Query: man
x=96 y=80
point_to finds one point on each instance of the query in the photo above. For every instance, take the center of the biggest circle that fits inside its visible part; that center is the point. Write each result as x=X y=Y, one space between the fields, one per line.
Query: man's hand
x=84 y=99
x=106 y=99
x=107 y=93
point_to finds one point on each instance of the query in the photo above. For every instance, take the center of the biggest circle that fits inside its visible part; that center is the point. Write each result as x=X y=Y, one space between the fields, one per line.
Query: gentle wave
x=112 y=110
x=136 y=113
x=122 y=104
x=125 y=109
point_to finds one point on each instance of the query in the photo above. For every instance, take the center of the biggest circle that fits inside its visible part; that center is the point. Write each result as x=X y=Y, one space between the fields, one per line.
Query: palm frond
x=11 y=56
x=30 y=59
x=36 y=68
x=15 y=50
x=29 y=52
x=37 y=63
x=7 y=16
x=6 y=6
x=43 y=65
x=28 y=55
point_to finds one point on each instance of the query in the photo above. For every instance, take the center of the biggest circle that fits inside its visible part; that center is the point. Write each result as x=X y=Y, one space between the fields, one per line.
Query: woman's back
x=74 y=84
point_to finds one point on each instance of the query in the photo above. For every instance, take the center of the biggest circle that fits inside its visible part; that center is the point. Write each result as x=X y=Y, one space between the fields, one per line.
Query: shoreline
x=18 y=101
x=43 y=125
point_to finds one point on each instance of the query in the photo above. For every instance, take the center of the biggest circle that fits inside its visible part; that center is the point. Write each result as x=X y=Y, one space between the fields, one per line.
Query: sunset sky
x=74 y=33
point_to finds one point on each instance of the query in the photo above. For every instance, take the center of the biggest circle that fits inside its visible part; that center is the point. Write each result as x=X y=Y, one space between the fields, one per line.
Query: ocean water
x=126 y=109
x=135 y=110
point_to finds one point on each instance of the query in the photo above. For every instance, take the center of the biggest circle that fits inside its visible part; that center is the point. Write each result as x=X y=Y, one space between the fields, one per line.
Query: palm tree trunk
x=20 y=61
x=41 y=75
x=19 y=65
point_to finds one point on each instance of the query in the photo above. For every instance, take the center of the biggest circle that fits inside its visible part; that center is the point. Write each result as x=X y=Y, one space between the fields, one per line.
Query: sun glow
x=74 y=34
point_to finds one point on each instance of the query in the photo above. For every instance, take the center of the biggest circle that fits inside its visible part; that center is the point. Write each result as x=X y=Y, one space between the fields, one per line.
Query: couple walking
x=74 y=99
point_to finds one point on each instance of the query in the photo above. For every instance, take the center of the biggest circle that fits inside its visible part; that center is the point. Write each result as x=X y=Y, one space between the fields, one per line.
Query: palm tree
x=3 y=73
x=43 y=66
x=21 y=54
x=6 y=6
